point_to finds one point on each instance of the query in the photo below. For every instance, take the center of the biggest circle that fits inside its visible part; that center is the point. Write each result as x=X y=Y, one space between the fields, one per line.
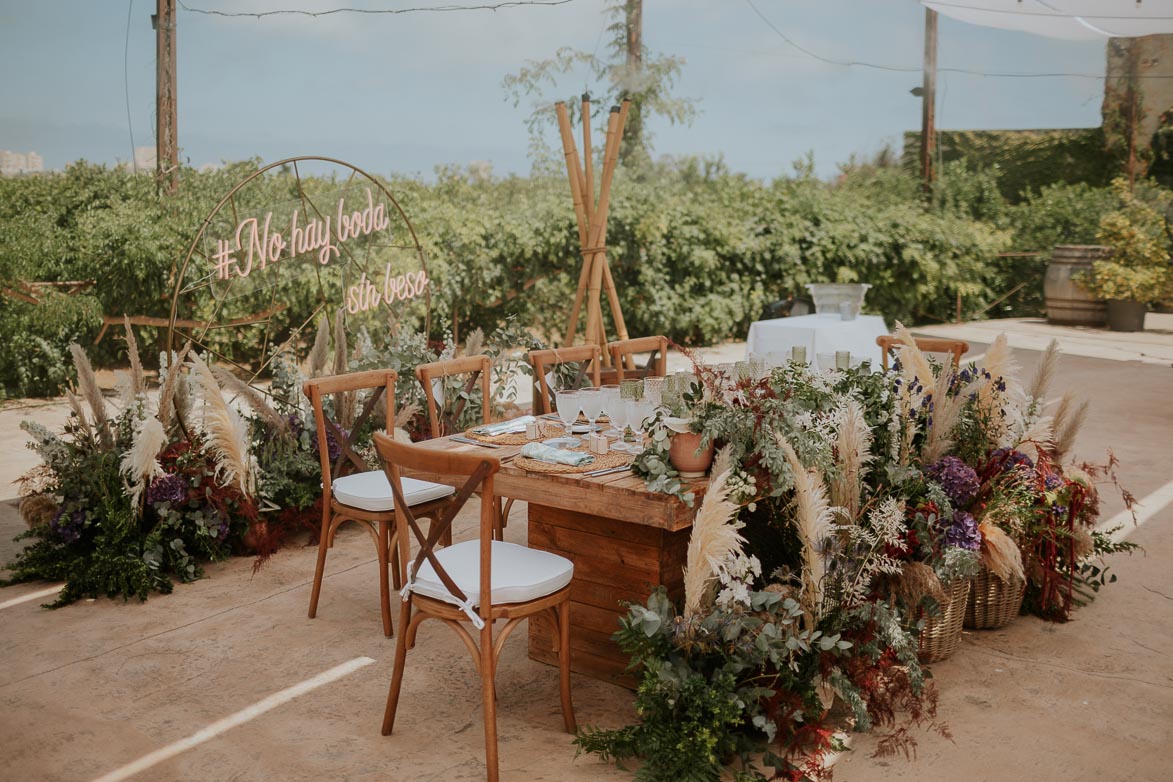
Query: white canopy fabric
x=1077 y=20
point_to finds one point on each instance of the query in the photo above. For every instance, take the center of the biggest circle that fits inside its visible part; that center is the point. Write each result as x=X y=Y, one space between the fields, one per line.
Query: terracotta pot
x=687 y=457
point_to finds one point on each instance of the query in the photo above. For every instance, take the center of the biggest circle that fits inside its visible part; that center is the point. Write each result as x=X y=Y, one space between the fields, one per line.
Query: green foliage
x=1139 y=267
x=1029 y=159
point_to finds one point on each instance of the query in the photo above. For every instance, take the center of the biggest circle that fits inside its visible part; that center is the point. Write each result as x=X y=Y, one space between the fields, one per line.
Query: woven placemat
x=601 y=462
x=547 y=428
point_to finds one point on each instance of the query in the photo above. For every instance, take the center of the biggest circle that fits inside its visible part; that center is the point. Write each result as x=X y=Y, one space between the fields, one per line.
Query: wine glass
x=639 y=412
x=611 y=400
x=618 y=414
x=591 y=401
x=568 y=409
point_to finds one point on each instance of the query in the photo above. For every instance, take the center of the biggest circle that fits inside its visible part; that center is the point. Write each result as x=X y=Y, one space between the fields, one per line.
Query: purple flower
x=963 y=532
x=1013 y=459
x=958 y=479
x=167 y=488
x=68 y=524
x=1052 y=481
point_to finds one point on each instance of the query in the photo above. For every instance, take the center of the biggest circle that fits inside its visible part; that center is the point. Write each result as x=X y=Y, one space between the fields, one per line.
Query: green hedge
x=695 y=255
x=1028 y=159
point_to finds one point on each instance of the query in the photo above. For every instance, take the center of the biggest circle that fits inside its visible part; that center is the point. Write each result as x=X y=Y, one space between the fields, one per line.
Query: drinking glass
x=569 y=404
x=611 y=402
x=591 y=401
x=654 y=390
x=618 y=414
x=631 y=389
x=638 y=413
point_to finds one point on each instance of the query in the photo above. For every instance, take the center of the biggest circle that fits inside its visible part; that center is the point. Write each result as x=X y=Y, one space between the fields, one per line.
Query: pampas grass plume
x=138 y=378
x=853 y=442
x=140 y=463
x=92 y=394
x=225 y=431
x=251 y=396
x=167 y=392
x=1000 y=554
x=321 y=348
x=1045 y=374
x=813 y=517
x=714 y=539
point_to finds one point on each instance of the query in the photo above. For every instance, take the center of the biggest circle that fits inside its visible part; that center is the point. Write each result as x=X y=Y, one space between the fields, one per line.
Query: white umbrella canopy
x=1077 y=20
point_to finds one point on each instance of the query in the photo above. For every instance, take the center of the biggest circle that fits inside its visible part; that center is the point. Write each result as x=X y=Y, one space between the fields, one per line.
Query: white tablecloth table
x=819 y=334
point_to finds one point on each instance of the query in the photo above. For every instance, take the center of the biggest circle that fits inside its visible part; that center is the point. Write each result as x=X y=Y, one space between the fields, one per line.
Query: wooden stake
x=579 y=213
x=588 y=159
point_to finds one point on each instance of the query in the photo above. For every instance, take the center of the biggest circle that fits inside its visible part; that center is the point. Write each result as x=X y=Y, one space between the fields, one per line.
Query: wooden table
x=624 y=541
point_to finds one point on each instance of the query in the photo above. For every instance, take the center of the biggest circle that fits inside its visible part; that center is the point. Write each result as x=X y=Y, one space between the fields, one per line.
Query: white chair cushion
x=519 y=573
x=372 y=491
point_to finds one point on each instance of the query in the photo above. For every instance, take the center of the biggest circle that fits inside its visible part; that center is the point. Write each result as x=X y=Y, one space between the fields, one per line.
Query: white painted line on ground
x=234 y=720
x=1145 y=510
x=31 y=596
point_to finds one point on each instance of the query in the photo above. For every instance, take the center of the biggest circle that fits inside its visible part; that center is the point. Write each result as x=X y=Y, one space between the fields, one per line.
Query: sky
x=408 y=92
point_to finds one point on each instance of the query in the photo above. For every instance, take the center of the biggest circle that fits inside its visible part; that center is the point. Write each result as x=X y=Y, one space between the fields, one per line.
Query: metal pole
x=928 y=127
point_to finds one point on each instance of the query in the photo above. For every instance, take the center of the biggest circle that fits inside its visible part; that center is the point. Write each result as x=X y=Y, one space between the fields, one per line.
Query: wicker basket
x=992 y=602
x=942 y=634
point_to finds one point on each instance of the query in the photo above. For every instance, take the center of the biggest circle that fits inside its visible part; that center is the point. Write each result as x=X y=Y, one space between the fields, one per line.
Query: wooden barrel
x=1067 y=302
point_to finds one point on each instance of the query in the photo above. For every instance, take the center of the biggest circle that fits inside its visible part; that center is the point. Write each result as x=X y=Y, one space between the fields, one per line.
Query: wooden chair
x=956 y=347
x=622 y=357
x=351 y=492
x=589 y=357
x=444 y=422
x=474 y=581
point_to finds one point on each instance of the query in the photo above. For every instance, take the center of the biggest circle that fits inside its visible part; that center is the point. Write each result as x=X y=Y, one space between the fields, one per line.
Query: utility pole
x=928 y=125
x=634 y=24
x=166 y=124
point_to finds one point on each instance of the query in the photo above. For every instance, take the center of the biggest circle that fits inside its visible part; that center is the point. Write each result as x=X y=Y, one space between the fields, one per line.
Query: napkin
x=504 y=427
x=544 y=453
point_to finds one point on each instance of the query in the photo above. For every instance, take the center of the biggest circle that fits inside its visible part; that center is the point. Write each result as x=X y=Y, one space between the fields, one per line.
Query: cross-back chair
x=623 y=357
x=443 y=418
x=444 y=422
x=474 y=581
x=351 y=491
x=588 y=357
x=955 y=347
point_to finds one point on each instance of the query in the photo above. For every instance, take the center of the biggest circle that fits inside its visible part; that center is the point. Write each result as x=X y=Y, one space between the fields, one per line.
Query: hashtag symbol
x=223 y=260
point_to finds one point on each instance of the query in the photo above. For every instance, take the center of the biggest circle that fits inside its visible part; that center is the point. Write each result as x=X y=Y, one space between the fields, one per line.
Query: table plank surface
x=621 y=495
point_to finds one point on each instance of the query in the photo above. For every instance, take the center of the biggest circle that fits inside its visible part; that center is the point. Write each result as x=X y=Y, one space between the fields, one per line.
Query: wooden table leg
x=614 y=562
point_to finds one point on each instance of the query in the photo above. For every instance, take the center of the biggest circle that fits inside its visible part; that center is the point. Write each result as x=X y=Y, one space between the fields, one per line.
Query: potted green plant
x=1137 y=270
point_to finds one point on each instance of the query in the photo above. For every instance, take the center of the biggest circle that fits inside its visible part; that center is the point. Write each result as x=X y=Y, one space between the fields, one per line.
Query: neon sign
x=257 y=246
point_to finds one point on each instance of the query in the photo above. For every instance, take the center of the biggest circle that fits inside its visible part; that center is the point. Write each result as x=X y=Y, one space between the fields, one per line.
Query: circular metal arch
x=228 y=198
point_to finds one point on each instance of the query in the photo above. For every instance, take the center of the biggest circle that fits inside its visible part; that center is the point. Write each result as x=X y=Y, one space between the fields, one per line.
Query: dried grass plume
x=714 y=539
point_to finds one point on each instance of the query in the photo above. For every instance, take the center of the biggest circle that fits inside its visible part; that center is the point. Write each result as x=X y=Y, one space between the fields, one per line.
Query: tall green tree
x=628 y=70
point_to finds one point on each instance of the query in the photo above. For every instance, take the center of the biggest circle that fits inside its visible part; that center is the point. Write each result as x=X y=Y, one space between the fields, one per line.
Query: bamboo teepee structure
x=591 y=215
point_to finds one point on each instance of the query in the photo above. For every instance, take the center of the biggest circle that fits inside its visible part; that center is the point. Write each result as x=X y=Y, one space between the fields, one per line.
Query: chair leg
x=489 y=697
x=499 y=519
x=396 y=567
x=564 y=666
x=384 y=587
x=397 y=671
x=320 y=568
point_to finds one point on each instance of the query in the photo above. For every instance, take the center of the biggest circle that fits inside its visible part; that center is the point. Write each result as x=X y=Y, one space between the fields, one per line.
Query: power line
x=1055 y=13
x=126 y=86
x=916 y=69
x=389 y=11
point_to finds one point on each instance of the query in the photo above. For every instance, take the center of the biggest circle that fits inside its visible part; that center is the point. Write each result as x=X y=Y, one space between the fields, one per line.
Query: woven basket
x=942 y=634
x=992 y=602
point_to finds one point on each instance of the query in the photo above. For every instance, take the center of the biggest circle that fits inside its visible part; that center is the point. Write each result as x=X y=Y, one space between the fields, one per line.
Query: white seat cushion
x=519 y=573
x=372 y=491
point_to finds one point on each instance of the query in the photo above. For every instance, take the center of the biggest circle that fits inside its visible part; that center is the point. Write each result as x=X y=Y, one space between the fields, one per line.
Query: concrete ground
x=226 y=678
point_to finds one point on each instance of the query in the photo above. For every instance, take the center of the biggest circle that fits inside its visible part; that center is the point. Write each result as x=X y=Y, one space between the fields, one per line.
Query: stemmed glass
x=638 y=413
x=568 y=409
x=611 y=401
x=618 y=415
x=591 y=401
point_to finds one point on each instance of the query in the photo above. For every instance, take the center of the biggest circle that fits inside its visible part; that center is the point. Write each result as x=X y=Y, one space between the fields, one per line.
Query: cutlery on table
x=606 y=471
x=470 y=441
